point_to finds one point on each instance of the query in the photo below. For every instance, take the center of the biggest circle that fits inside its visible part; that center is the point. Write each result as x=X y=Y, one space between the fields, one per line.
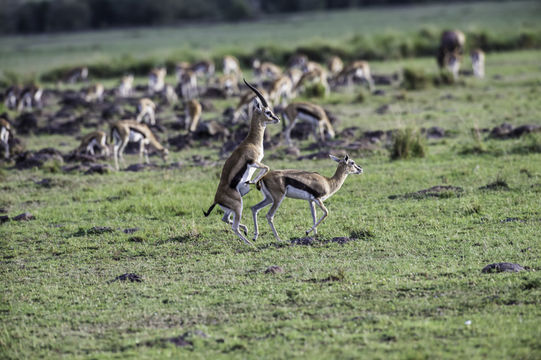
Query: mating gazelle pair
x=246 y=160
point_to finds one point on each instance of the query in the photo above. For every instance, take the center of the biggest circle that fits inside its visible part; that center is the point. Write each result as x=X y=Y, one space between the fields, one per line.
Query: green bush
x=415 y=79
x=407 y=143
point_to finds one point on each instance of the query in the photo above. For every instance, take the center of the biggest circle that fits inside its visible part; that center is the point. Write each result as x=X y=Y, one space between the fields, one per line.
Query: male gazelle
x=359 y=70
x=297 y=184
x=192 y=111
x=242 y=164
x=231 y=66
x=96 y=139
x=478 y=63
x=5 y=132
x=312 y=113
x=146 y=111
x=123 y=132
x=126 y=86
x=450 y=51
x=94 y=93
x=156 y=80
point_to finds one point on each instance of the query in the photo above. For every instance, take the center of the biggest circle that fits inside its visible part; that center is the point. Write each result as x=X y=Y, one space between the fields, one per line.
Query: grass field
x=407 y=286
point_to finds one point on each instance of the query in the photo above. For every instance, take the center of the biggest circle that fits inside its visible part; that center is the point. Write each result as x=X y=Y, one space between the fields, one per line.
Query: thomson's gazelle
x=478 y=63
x=192 y=111
x=312 y=113
x=146 y=111
x=297 y=184
x=125 y=88
x=96 y=139
x=241 y=166
x=5 y=131
x=127 y=131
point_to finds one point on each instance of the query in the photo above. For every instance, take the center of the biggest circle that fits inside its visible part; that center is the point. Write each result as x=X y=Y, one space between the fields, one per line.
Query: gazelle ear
x=335 y=158
x=257 y=104
x=346 y=158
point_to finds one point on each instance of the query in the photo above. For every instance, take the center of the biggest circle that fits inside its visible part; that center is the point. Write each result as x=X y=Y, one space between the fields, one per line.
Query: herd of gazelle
x=253 y=106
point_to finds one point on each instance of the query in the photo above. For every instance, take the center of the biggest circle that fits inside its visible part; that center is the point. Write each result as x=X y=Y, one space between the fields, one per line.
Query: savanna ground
x=407 y=285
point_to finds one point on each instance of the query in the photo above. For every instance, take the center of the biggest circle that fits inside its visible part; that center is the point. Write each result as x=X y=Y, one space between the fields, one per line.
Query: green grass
x=405 y=289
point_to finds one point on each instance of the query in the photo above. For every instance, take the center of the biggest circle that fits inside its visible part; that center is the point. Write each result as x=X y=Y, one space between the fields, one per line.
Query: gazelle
x=312 y=113
x=96 y=139
x=242 y=164
x=335 y=65
x=94 y=93
x=478 y=63
x=11 y=97
x=450 y=51
x=281 y=90
x=123 y=132
x=156 y=80
x=192 y=111
x=244 y=107
x=5 y=132
x=266 y=71
x=204 y=68
x=229 y=83
x=317 y=75
x=297 y=184
x=125 y=88
x=76 y=75
x=30 y=96
x=231 y=66
x=170 y=94
x=187 y=81
x=357 y=70
x=146 y=111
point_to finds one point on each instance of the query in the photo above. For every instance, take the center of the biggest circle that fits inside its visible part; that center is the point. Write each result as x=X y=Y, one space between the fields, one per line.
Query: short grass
x=409 y=287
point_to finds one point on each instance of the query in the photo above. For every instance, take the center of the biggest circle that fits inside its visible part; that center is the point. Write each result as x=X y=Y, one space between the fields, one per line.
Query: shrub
x=316 y=90
x=407 y=143
x=415 y=79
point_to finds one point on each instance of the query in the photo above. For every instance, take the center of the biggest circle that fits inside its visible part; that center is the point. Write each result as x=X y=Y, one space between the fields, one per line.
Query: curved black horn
x=263 y=101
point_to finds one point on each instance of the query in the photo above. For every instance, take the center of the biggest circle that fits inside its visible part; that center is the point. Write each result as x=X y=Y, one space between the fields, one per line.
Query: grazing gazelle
x=266 y=71
x=94 y=93
x=30 y=96
x=450 y=51
x=96 y=139
x=146 y=111
x=123 y=132
x=228 y=83
x=478 y=63
x=192 y=111
x=242 y=164
x=76 y=75
x=357 y=70
x=335 y=65
x=318 y=75
x=231 y=66
x=5 y=132
x=312 y=113
x=297 y=184
x=125 y=87
x=156 y=80
x=187 y=81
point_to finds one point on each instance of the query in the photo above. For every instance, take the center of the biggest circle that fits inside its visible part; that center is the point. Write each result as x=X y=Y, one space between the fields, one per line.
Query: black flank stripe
x=299 y=185
x=307 y=112
x=137 y=131
x=238 y=175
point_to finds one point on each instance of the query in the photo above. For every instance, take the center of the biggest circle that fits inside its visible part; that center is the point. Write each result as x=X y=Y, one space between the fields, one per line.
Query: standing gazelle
x=242 y=164
x=146 y=111
x=312 y=113
x=5 y=132
x=478 y=63
x=96 y=139
x=123 y=132
x=297 y=184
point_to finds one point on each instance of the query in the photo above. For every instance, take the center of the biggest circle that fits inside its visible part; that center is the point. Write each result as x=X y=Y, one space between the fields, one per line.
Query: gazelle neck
x=338 y=178
x=257 y=131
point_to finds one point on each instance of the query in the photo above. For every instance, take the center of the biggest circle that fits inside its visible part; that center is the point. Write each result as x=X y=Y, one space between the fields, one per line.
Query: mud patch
x=96 y=230
x=100 y=169
x=508 y=131
x=274 y=269
x=141 y=167
x=306 y=241
x=439 y=191
x=502 y=267
x=130 y=230
x=496 y=185
x=26 y=216
x=131 y=277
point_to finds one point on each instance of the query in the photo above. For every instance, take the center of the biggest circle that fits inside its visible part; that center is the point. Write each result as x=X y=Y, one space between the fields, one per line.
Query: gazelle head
x=165 y=154
x=262 y=108
x=348 y=164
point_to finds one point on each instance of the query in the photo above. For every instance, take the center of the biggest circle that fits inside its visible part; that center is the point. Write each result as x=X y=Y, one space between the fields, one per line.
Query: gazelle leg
x=270 y=215
x=325 y=213
x=313 y=211
x=257 y=207
x=6 y=150
x=288 y=131
x=227 y=219
x=116 y=154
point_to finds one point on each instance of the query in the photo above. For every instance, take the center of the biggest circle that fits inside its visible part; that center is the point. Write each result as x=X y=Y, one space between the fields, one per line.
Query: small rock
x=502 y=267
x=274 y=270
x=131 y=230
x=4 y=218
x=99 y=169
x=24 y=217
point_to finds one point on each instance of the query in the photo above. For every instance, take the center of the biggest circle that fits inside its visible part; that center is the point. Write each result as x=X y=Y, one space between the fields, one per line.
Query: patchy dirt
x=131 y=277
x=28 y=159
x=99 y=169
x=496 y=185
x=502 y=267
x=96 y=230
x=26 y=216
x=306 y=241
x=274 y=269
x=440 y=191
x=508 y=131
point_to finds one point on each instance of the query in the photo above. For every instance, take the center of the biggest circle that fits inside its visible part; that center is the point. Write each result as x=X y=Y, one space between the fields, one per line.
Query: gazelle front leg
x=263 y=169
x=288 y=131
x=270 y=215
x=325 y=213
x=227 y=219
x=257 y=207
x=313 y=211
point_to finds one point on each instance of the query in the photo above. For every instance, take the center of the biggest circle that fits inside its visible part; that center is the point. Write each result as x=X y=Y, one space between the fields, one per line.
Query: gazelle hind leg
x=257 y=207
x=325 y=213
x=272 y=211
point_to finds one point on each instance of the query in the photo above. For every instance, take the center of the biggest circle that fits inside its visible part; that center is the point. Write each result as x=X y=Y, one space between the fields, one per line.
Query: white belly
x=294 y=193
x=90 y=147
x=135 y=136
x=306 y=117
x=4 y=135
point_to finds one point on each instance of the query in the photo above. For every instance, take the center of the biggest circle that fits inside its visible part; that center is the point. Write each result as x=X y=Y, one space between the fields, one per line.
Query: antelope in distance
x=146 y=111
x=94 y=93
x=335 y=65
x=317 y=75
x=241 y=166
x=187 y=81
x=123 y=132
x=450 y=51
x=297 y=184
x=76 y=75
x=192 y=111
x=281 y=90
x=170 y=94
x=125 y=89
x=11 y=97
x=312 y=113
x=91 y=142
x=244 y=108
x=156 y=80
x=358 y=70
x=5 y=132
x=231 y=66
x=265 y=71
x=204 y=68
x=229 y=84
x=477 y=57
x=17 y=98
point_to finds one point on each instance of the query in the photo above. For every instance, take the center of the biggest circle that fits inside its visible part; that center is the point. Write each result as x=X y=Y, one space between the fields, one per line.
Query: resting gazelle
x=297 y=184
x=96 y=139
x=241 y=166
x=123 y=132
x=312 y=113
